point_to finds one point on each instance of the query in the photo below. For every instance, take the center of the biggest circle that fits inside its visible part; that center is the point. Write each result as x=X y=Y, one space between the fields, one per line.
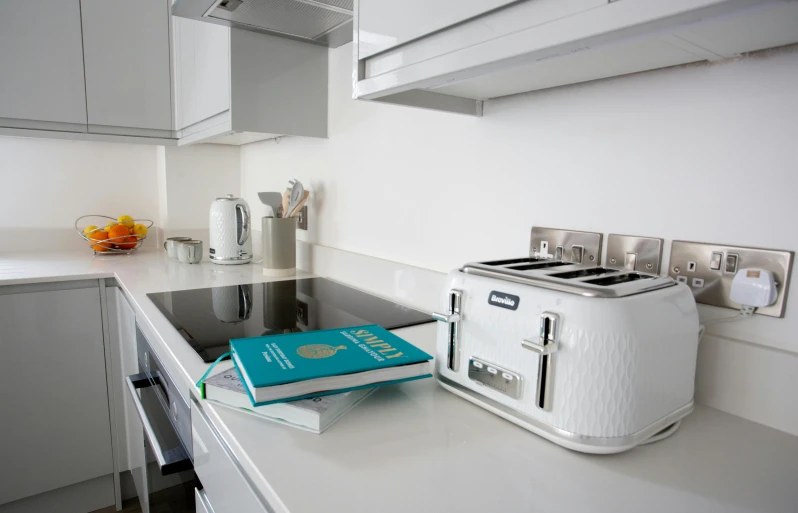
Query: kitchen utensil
x=189 y=251
x=300 y=204
x=230 y=226
x=285 y=203
x=112 y=245
x=269 y=212
x=594 y=359
x=271 y=199
x=297 y=192
x=170 y=245
x=279 y=246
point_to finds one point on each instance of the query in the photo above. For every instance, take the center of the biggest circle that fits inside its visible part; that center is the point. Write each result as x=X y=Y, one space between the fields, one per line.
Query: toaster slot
x=618 y=279
x=544 y=264
x=512 y=261
x=583 y=273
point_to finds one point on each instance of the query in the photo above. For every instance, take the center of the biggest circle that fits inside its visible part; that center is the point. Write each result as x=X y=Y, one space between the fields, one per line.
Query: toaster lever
x=447 y=318
x=539 y=348
x=545 y=346
x=452 y=318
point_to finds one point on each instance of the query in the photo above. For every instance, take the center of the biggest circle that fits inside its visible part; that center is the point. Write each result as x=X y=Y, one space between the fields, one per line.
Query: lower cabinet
x=226 y=488
x=122 y=324
x=54 y=400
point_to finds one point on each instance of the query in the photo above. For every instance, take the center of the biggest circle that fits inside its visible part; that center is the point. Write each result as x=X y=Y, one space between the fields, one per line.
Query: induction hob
x=209 y=318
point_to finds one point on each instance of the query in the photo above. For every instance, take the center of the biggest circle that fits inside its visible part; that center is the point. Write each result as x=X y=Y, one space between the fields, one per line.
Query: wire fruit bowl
x=123 y=245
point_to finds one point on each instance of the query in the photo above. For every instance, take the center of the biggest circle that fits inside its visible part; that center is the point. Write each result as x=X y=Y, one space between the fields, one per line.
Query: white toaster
x=596 y=360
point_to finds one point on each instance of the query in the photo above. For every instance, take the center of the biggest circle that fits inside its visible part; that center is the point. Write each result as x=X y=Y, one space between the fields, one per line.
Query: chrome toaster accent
x=452 y=318
x=498 y=378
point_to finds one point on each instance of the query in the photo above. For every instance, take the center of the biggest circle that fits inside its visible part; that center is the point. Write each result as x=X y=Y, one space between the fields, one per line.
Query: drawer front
x=201 y=500
x=225 y=485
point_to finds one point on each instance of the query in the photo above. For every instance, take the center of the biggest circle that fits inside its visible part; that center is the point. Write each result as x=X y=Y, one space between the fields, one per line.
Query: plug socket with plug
x=714 y=286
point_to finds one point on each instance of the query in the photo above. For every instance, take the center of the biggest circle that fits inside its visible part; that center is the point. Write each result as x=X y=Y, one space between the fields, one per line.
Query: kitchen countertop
x=415 y=447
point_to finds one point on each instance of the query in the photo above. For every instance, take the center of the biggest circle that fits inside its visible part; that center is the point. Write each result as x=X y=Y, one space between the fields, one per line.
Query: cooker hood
x=321 y=22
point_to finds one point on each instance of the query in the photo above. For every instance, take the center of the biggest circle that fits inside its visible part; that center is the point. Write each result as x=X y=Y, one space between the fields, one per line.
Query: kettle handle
x=243 y=235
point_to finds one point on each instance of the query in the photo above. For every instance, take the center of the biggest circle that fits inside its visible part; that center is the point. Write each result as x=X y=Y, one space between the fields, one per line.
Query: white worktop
x=414 y=447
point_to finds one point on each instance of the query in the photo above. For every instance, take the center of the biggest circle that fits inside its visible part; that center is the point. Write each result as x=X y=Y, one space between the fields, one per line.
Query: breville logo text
x=503 y=300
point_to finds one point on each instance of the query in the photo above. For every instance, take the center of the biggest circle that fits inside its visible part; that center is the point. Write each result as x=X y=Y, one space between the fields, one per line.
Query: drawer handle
x=195 y=407
x=176 y=460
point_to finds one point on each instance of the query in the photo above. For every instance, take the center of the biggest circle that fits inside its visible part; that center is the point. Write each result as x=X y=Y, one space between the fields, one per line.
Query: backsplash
x=660 y=154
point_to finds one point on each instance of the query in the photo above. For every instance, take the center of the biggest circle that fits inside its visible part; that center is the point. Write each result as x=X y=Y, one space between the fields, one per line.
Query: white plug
x=754 y=288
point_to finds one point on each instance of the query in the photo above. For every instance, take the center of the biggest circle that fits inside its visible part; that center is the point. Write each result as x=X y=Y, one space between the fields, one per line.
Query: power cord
x=744 y=313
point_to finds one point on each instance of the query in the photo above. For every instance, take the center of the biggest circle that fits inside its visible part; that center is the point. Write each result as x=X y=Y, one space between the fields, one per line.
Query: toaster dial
x=498 y=378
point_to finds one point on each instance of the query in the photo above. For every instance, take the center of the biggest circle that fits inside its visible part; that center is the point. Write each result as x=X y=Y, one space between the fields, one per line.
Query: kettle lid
x=228 y=197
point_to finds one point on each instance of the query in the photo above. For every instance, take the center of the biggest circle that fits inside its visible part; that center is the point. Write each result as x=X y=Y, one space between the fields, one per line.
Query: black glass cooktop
x=209 y=318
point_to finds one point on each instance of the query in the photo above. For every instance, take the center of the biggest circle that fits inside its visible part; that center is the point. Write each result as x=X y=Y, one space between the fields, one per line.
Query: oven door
x=161 y=467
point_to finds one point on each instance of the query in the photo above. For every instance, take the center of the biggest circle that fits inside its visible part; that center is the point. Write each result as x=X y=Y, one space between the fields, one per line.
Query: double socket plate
x=708 y=269
x=566 y=245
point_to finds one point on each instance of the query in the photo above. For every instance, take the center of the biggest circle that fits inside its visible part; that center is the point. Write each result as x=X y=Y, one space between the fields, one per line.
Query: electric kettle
x=230 y=241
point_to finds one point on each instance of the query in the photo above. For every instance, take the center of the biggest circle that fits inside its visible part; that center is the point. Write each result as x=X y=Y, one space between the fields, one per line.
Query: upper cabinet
x=41 y=66
x=461 y=53
x=130 y=71
x=128 y=74
x=235 y=86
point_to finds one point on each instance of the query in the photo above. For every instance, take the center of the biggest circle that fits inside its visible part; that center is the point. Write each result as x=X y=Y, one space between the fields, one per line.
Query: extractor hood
x=321 y=22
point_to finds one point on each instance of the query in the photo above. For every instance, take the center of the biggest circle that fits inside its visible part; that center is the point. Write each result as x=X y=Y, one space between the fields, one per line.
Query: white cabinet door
x=41 y=65
x=202 y=70
x=128 y=77
x=122 y=323
x=383 y=24
x=54 y=399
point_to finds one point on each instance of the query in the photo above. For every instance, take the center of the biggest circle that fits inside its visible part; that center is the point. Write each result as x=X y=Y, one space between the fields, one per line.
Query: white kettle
x=230 y=225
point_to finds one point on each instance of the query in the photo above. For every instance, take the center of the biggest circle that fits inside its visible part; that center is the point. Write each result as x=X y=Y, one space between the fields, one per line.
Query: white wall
x=195 y=176
x=703 y=152
x=47 y=184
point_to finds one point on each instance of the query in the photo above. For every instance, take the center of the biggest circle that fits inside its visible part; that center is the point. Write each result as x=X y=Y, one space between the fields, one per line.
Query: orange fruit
x=129 y=242
x=100 y=246
x=118 y=233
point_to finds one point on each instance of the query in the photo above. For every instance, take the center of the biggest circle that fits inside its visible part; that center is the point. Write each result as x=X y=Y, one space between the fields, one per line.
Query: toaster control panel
x=500 y=379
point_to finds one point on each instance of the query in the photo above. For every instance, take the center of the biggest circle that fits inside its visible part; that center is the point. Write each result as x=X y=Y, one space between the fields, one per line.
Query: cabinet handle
x=195 y=407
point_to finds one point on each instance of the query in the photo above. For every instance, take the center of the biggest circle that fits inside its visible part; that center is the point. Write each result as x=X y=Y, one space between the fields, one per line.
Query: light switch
x=714 y=261
x=577 y=252
x=558 y=253
x=731 y=262
x=630 y=262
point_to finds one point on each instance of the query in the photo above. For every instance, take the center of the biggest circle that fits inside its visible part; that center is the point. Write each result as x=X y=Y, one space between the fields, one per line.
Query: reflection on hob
x=209 y=318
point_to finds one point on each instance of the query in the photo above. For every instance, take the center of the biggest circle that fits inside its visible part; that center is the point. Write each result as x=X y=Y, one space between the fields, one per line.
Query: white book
x=315 y=414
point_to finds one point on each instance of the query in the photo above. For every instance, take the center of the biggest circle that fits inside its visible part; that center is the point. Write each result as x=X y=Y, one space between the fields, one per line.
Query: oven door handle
x=172 y=461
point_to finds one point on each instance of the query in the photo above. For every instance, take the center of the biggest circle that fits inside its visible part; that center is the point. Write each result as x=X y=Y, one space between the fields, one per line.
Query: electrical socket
x=713 y=286
x=302 y=218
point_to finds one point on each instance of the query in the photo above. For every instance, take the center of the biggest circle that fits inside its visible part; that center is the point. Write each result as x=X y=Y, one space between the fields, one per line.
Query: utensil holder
x=279 y=246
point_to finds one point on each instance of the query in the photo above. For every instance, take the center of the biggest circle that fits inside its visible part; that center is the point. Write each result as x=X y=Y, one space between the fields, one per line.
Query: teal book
x=294 y=366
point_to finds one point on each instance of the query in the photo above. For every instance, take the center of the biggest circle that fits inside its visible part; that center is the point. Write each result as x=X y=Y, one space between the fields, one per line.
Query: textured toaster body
x=624 y=367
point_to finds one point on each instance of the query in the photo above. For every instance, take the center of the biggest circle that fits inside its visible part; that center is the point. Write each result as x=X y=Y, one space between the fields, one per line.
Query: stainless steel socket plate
x=567 y=245
x=632 y=253
x=708 y=269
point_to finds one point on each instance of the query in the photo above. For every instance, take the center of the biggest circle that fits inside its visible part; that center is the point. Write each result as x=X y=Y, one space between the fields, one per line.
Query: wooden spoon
x=286 y=201
x=299 y=205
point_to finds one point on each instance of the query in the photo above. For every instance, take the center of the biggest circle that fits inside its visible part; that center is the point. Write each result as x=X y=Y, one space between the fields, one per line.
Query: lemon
x=139 y=230
x=89 y=229
x=127 y=221
x=108 y=227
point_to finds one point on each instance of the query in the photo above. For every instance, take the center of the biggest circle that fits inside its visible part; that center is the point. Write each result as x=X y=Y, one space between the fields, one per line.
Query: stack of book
x=310 y=380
